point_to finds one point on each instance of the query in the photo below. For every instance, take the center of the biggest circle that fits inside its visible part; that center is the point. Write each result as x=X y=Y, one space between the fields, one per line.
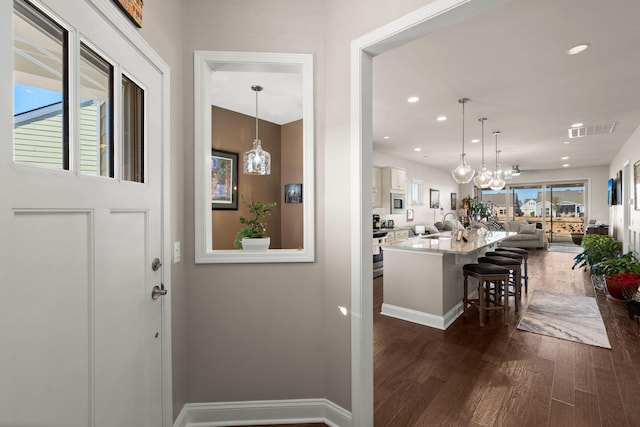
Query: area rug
x=565 y=249
x=569 y=317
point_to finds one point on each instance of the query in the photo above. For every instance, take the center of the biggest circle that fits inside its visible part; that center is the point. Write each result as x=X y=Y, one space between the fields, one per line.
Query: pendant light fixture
x=497 y=183
x=483 y=179
x=256 y=161
x=515 y=170
x=463 y=173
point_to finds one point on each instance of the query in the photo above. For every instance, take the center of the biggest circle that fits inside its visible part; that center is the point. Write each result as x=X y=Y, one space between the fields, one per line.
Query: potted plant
x=617 y=271
x=251 y=236
x=630 y=282
x=597 y=248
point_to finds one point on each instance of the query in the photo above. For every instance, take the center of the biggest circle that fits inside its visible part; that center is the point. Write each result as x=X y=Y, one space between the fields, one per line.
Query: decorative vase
x=256 y=244
x=614 y=289
x=633 y=307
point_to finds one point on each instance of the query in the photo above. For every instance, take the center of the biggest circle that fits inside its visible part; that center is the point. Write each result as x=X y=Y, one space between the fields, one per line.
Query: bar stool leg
x=481 y=296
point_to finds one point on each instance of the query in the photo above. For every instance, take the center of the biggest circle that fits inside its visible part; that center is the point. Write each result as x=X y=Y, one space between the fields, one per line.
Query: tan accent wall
x=291 y=213
x=235 y=132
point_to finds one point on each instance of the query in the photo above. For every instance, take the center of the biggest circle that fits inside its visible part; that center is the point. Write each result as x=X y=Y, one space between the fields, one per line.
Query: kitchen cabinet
x=394 y=180
x=398 y=234
x=376 y=195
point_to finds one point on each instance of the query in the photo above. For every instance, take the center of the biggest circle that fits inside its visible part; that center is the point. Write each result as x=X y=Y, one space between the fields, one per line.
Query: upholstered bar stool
x=525 y=258
x=486 y=274
x=512 y=264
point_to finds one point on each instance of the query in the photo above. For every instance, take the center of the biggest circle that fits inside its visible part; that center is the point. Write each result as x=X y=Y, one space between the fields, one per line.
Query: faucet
x=455 y=223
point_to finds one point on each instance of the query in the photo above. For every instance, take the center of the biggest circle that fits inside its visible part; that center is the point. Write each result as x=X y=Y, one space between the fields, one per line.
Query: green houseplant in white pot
x=251 y=237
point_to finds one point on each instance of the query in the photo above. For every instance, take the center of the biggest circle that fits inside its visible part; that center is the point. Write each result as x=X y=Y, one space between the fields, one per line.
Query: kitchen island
x=423 y=280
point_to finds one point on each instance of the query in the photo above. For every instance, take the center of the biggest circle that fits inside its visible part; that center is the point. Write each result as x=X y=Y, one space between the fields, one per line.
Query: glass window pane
x=40 y=89
x=96 y=113
x=132 y=131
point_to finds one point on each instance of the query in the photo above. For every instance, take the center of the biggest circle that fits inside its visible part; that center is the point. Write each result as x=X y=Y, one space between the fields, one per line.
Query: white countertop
x=445 y=243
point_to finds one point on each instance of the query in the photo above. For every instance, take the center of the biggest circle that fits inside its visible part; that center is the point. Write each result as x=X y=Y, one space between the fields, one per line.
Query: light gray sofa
x=529 y=235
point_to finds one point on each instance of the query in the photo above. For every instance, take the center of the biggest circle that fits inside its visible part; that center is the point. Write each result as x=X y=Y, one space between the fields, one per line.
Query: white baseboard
x=422 y=318
x=263 y=412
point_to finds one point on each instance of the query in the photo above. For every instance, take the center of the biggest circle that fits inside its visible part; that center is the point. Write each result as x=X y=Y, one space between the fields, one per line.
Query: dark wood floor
x=501 y=376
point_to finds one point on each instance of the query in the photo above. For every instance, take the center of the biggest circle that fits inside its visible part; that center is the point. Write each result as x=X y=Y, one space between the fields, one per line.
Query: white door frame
x=436 y=15
x=110 y=13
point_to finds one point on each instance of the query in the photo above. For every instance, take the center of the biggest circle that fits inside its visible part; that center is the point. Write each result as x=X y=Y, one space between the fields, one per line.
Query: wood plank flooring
x=501 y=376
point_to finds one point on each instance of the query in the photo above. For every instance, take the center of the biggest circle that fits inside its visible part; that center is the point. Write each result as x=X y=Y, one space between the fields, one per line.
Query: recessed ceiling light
x=577 y=125
x=567 y=142
x=577 y=49
x=413 y=99
x=564 y=158
x=417 y=149
x=386 y=137
x=441 y=118
x=566 y=165
x=474 y=141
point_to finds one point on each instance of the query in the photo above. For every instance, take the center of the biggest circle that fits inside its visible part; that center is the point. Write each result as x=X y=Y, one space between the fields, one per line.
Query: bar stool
x=486 y=274
x=512 y=264
x=525 y=257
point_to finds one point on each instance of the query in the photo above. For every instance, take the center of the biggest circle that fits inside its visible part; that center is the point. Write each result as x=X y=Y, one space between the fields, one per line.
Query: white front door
x=80 y=335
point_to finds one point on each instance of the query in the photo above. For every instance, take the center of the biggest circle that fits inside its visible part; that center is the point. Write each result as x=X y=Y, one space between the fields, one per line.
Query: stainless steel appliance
x=379 y=237
x=397 y=204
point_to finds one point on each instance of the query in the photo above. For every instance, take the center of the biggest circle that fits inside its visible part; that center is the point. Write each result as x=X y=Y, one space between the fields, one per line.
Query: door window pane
x=40 y=89
x=132 y=131
x=96 y=114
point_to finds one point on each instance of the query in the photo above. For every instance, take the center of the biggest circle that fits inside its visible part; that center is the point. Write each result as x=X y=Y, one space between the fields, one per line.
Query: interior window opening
x=132 y=131
x=40 y=89
x=96 y=114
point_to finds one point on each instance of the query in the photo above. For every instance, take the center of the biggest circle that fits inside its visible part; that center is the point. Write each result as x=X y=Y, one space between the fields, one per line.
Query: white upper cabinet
x=394 y=180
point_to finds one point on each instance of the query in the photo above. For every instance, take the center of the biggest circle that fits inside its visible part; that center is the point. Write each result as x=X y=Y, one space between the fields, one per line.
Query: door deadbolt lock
x=158 y=291
x=156 y=264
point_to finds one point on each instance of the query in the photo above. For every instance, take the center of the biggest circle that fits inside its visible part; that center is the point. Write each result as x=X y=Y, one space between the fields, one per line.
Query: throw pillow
x=527 y=229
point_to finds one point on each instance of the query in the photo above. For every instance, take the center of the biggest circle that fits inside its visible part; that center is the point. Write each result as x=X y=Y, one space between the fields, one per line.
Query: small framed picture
x=454 y=201
x=293 y=193
x=224 y=180
x=409 y=215
x=434 y=198
x=459 y=235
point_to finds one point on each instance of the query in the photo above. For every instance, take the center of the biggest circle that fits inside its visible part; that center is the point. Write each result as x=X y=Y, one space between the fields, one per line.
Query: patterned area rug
x=569 y=317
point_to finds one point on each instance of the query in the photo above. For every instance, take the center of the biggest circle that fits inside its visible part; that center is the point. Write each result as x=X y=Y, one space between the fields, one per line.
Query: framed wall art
x=293 y=193
x=133 y=10
x=636 y=184
x=454 y=201
x=434 y=198
x=224 y=180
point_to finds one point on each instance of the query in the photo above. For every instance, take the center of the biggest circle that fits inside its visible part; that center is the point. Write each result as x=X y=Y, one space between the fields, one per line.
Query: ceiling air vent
x=595 y=129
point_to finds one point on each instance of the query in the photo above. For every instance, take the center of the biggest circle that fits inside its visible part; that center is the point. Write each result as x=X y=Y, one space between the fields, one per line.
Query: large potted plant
x=596 y=248
x=251 y=237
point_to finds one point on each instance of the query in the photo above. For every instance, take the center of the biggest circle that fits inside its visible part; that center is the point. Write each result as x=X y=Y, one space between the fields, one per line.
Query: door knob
x=158 y=291
x=156 y=264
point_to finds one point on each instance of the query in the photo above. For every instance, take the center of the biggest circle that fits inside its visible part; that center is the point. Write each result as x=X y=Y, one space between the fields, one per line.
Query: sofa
x=530 y=235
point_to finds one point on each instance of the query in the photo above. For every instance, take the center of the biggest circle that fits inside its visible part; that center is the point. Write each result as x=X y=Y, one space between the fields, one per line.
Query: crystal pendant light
x=497 y=183
x=463 y=173
x=483 y=179
x=256 y=161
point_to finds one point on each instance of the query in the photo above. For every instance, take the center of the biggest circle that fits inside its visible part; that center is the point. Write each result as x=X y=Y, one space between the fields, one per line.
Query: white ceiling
x=512 y=64
x=280 y=100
